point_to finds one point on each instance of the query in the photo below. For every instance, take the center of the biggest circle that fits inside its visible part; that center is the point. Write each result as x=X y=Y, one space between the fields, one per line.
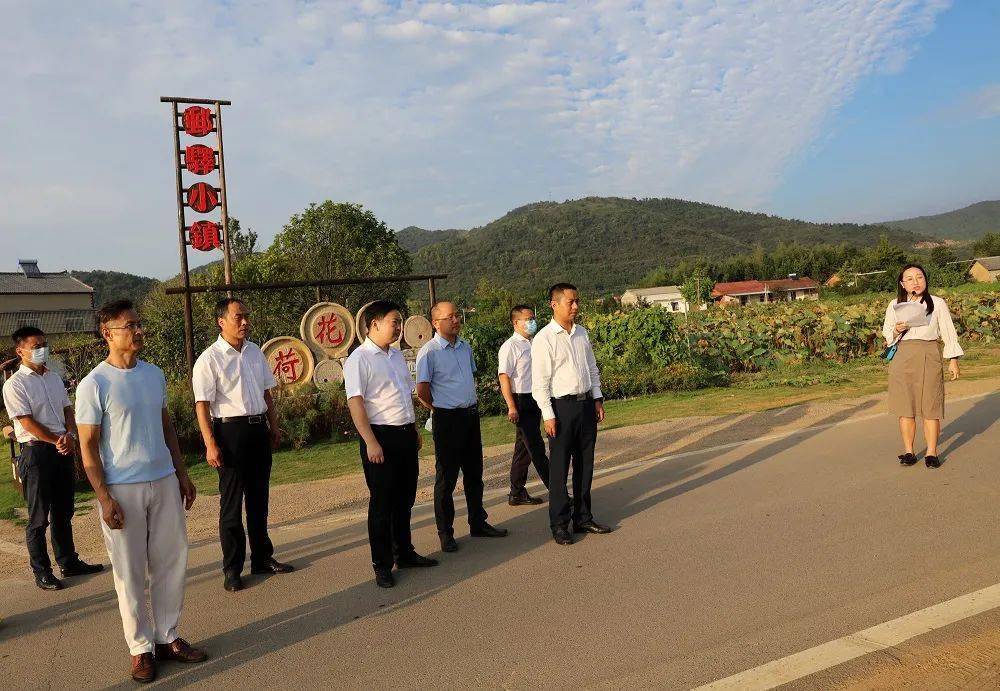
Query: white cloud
x=439 y=114
x=984 y=103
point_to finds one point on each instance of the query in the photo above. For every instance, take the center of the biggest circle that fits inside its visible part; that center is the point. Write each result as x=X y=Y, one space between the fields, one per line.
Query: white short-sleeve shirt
x=40 y=396
x=232 y=382
x=383 y=381
x=514 y=360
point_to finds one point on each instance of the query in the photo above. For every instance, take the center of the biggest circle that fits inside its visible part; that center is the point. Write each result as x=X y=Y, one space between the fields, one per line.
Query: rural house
x=985 y=269
x=668 y=297
x=55 y=302
x=779 y=290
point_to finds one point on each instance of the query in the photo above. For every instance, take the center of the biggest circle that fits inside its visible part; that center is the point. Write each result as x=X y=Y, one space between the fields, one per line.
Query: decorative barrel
x=290 y=359
x=417 y=330
x=329 y=374
x=328 y=328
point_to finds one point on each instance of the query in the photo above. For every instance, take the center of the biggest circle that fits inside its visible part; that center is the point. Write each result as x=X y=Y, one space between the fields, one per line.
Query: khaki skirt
x=916 y=381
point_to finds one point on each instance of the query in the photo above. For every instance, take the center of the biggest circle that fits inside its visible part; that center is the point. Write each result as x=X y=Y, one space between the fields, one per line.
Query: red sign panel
x=206 y=236
x=199 y=159
x=202 y=197
x=197 y=121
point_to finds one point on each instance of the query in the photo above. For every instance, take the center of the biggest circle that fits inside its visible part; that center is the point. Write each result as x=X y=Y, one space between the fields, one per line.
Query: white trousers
x=153 y=543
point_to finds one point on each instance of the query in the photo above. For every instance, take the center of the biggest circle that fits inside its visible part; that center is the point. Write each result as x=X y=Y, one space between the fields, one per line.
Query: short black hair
x=113 y=310
x=24 y=333
x=379 y=309
x=222 y=307
x=517 y=309
x=558 y=289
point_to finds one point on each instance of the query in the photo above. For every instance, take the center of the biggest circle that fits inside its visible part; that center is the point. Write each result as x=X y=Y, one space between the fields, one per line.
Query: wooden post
x=227 y=258
x=430 y=289
x=185 y=276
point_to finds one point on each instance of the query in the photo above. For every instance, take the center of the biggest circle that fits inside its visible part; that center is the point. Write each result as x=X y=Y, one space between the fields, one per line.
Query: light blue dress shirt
x=449 y=369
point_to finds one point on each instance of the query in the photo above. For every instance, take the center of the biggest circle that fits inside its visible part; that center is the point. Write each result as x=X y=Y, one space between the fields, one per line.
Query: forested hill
x=605 y=244
x=967 y=223
x=115 y=285
x=413 y=238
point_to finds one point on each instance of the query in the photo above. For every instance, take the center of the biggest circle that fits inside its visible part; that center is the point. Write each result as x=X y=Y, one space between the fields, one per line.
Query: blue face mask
x=531 y=327
x=39 y=356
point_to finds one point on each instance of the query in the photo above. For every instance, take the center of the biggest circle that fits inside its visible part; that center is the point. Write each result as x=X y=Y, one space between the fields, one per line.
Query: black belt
x=576 y=397
x=471 y=410
x=247 y=419
x=37 y=442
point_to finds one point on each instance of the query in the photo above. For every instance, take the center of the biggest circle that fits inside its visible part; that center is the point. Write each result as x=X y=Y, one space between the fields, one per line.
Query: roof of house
x=760 y=287
x=990 y=263
x=16 y=282
x=661 y=290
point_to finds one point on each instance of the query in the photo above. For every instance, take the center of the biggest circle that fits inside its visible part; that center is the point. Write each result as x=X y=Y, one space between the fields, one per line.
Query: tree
x=941 y=256
x=697 y=288
x=987 y=246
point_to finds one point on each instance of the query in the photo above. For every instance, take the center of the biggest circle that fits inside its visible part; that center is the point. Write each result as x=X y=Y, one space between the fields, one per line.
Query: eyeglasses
x=453 y=315
x=131 y=326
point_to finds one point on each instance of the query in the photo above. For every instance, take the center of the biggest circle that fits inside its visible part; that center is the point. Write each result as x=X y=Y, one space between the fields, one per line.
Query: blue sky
x=919 y=141
x=449 y=114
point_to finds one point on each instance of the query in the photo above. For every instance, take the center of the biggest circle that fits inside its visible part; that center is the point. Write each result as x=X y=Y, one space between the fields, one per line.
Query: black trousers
x=392 y=485
x=458 y=446
x=244 y=477
x=48 y=478
x=576 y=435
x=528 y=445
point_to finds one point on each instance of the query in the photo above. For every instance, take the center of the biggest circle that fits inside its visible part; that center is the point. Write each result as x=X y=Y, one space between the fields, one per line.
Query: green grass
x=814 y=381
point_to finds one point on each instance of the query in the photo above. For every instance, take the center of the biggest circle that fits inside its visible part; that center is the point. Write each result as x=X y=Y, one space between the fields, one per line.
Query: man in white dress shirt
x=239 y=426
x=514 y=371
x=566 y=386
x=36 y=401
x=380 y=397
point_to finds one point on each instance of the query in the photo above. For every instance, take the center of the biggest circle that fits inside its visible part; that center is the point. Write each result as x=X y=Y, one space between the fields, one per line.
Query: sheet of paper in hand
x=913 y=313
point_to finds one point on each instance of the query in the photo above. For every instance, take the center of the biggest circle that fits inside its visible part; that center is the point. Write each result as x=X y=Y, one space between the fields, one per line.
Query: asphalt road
x=721 y=561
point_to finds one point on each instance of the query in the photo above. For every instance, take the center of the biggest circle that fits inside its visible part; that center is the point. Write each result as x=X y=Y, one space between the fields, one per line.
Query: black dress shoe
x=486 y=530
x=414 y=560
x=523 y=499
x=907 y=459
x=271 y=566
x=448 y=543
x=233 y=582
x=48 y=581
x=591 y=527
x=932 y=462
x=80 y=568
x=562 y=536
x=384 y=579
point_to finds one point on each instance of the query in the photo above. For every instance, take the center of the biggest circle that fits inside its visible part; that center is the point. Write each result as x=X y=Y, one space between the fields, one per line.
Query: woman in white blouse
x=916 y=376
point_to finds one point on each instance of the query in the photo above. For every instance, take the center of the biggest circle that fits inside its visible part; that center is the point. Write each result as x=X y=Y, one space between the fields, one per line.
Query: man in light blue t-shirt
x=134 y=463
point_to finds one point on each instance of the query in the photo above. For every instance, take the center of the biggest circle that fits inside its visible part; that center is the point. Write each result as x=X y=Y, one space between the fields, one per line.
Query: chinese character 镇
x=205 y=236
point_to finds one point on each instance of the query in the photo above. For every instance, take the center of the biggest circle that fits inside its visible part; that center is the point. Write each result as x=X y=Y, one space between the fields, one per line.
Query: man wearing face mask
x=514 y=370
x=36 y=402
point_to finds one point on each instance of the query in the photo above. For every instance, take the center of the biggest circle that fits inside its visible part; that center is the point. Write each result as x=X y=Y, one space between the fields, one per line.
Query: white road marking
x=880 y=637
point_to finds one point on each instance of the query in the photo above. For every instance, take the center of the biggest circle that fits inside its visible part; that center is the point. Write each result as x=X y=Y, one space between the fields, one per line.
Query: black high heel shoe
x=907 y=459
x=932 y=462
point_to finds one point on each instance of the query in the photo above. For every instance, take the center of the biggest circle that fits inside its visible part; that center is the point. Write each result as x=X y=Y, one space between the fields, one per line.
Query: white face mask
x=39 y=356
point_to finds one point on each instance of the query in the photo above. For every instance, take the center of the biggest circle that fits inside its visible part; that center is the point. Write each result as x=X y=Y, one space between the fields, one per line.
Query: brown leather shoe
x=143 y=668
x=179 y=651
